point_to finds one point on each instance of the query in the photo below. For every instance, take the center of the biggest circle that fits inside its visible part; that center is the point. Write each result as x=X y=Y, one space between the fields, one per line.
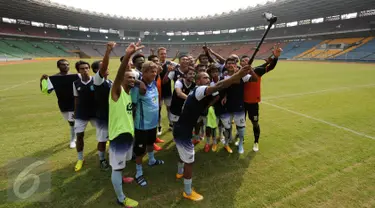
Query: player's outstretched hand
x=110 y=45
x=134 y=47
x=277 y=50
x=245 y=70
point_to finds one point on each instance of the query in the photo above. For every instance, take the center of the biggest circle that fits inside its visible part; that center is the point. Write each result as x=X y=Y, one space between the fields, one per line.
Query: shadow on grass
x=216 y=175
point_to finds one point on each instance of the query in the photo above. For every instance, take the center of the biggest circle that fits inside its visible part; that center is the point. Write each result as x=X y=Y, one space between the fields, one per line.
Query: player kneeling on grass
x=146 y=120
x=84 y=110
x=197 y=101
x=121 y=124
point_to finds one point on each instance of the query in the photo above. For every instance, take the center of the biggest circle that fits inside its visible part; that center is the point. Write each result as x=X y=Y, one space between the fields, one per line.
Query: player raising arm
x=121 y=124
x=252 y=92
x=102 y=86
x=196 y=102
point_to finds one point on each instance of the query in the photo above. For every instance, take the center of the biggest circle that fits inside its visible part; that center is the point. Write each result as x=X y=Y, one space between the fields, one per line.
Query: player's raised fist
x=111 y=45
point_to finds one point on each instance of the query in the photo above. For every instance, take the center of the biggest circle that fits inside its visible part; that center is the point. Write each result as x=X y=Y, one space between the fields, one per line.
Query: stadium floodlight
x=272 y=20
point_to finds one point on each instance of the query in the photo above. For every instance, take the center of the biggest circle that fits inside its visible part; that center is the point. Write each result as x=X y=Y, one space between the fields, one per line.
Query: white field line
x=318 y=91
x=321 y=121
x=14 y=86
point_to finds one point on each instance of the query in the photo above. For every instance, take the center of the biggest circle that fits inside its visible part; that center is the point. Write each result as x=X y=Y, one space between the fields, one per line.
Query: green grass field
x=316 y=147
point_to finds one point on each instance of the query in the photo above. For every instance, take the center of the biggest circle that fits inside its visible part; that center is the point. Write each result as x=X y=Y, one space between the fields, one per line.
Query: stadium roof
x=287 y=10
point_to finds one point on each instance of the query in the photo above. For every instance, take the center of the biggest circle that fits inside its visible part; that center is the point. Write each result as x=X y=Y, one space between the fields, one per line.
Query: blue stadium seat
x=296 y=48
x=360 y=53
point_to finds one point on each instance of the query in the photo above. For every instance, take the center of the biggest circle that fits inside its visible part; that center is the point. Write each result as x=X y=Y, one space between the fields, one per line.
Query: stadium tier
x=361 y=23
x=329 y=49
x=320 y=35
x=351 y=49
x=293 y=49
x=363 y=52
x=31 y=48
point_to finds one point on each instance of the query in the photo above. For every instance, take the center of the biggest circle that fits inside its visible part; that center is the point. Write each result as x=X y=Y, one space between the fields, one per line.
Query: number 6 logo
x=23 y=177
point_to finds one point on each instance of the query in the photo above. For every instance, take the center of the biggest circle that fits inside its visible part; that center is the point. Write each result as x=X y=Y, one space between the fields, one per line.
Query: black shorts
x=252 y=110
x=143 y=138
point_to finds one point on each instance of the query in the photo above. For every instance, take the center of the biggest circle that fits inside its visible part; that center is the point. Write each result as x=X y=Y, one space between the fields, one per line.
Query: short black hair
x=136 y=56
x=150 y=57
x=79 y=63
x=244 y=56
x=201 y=65
x=59 y=62
x=201 y=55
x=212 y=67
x=230 y=59
x=182 y=56
x=122 y=57
x=95 y=66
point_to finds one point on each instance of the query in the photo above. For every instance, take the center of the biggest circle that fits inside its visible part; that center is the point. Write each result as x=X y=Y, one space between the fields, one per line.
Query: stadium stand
x=10 y=29
x=324 y=54
x=310 y=50
x=340 y=25
x=363 y=52
x=12 y=50
x=369 y=58
x=344 y=41
x=329 y=49
x=334 y=38
x=302 y=30
x=51 y=48
x=354 y=46
x=30 y=48
x=294 y=48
